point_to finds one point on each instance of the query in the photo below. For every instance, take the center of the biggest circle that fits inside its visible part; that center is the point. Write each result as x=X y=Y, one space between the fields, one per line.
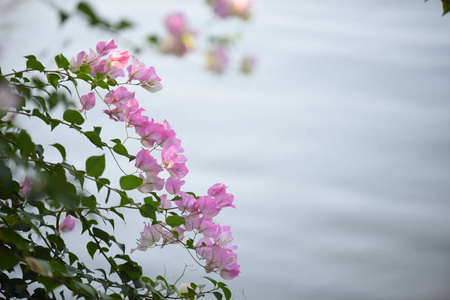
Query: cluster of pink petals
x=180 y=39
x=215 y=246
x=217 y=60
x=228 y=8
x=113 y=66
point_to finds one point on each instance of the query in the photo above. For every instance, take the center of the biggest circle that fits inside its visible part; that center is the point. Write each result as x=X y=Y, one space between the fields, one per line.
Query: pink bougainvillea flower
x=87 y=102
x=174 y=162
x=176 y=24
x=186 y=203
x=165 y=203
x=217 y=60
x=224 y=199
x=119 y=59
x=149 y=237
x=67 y=224
x=207 y=206
x=105 y=47
x=171 y=238
x=145 y=162
x=121 y=94
x=84 y=59
x=151 y=183
x=173 y=185
x=25 y=187
x=240 y=8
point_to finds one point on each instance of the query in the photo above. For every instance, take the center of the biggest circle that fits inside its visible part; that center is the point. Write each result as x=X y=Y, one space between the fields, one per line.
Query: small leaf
x=89 y=201
x=53 y=79
x=120 y=149
x=148 y=211
x=62 y=62
x=91 y=247
x=61 y=150
x=130 y=182
x=73 y=116
x=33 y=63
x=103 y=235
x=175 y=221
x=94 y=138
x=102 y=182
x=95 y=165
x=218 y=295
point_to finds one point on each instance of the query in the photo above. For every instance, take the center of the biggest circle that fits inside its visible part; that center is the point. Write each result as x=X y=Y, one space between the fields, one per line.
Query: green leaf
x=218 y=295
x=445 y=6
x=61 y=150
x=102 y=183
x=38 y=114
x=33 y=63
x=130 y=182
x=103 y=235
x=91 y=247
x=62 y=62
x=97 y=130
x=85 y=69
x=24 y=143
x=148 y=211
x=95 y=165
x=175 y=221
x=94 y=138
x=120 y=149
x=132 y=270
x=53 y=79
x=89 y=201
x=73 y=116
x=8 y=262
x=226 y=292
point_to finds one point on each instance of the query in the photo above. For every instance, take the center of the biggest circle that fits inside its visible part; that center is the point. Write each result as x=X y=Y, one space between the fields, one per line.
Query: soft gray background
x=337 y=148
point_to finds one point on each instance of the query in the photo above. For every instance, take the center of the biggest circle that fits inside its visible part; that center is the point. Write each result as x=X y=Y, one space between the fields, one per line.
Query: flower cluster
x=228 y=8
x=215 y=244
x=197 y=212
x=180 y=39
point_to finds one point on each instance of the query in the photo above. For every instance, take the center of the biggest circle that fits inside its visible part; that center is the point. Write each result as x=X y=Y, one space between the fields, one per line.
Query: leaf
x=102 y=183
x=24 y=143
x=86 y=69
x=226 y=292
x=89 y=201
x=94 y=138
x=103 y=235
x=95 y=165
x=53 y=79
x=148 y=211
x=61 y=150
x=73 y=117
x=175 y=221
x=218 y=295
x=130 y=182
x=445 y=6
x=33 y=63
x=120 y=149
x=62 y=62
x=91 y=247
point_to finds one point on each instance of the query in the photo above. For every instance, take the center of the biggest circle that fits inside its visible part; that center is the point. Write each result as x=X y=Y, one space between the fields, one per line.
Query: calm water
x=337 y=149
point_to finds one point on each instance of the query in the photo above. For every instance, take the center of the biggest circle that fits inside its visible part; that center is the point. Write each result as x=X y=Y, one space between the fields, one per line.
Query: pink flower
x=104 y=48
x=91 y=59
x=25 y=187
x=149 y=237
x=151 y=183
x=217 y=60
x=146 y=76
x=146 y=163
x=165 y=203
x=186 y=203
x=172 y=237
x=174 y=162
x=240 y=8
x=173 y=185
x=119 y=59
x=87 y=101
x=121 y=94
x=224 y=199
x=208 y=206
x=67 y=224
x=176 y=24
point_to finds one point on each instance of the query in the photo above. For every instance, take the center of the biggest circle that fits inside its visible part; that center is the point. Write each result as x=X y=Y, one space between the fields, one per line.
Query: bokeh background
x=337 y=147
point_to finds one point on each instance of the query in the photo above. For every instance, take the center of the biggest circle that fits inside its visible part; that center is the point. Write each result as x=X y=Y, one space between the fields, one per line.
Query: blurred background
x=337 y=147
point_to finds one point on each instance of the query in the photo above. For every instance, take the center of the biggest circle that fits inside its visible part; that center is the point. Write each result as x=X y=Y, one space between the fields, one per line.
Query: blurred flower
x=248 y=64
x=217 y=60
x=181 y=39
x=67 y=225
